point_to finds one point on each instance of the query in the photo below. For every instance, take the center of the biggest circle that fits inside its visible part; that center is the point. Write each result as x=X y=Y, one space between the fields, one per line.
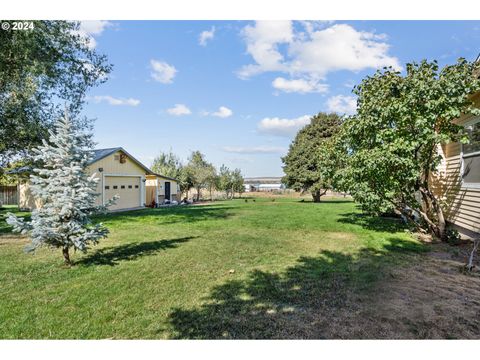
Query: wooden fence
x=8 y=195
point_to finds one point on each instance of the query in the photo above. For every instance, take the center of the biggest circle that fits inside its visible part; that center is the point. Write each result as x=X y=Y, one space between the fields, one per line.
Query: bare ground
x=430 y=298
x=433 y=298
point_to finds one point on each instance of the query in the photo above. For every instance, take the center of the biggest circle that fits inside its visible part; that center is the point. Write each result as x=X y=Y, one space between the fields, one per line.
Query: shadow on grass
x=308 y=300
x=375 y=223
x=114 y=255
x=326 y=201
x=170 y=215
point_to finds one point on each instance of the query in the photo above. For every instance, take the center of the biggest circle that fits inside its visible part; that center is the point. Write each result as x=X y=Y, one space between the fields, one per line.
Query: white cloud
x=262 y=44
x=255 y=150
x=223 y=112
x=162 y=72
x=206 y=35
x=90 y=28
x=340 y=47
x=311 y=50
x=299 y=85
x=283 y=127
x=342 y=104
x=116 y=101
x=179 y=109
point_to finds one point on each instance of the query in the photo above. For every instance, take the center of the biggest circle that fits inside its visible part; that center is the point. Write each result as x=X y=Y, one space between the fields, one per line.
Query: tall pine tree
x=67 y=194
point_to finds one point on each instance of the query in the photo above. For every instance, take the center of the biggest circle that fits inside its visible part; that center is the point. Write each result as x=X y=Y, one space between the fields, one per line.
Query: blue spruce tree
x=66 y=192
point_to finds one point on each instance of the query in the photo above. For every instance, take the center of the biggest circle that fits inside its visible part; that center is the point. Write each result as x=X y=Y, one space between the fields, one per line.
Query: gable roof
x=99 y=154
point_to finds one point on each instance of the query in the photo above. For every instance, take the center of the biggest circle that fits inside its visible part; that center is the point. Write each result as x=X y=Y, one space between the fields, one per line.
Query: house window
x=136 y=186
x=107 y=187
x=122 y=187
x=471 y=155
x=115 y=186
x=129 y=186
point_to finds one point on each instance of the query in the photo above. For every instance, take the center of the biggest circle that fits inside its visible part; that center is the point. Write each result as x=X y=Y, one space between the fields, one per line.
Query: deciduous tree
x=393 y=140
x=40 y=70
x=303 y=163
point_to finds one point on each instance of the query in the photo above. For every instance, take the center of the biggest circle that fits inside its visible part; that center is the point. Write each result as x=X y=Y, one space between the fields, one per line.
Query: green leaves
x=307 y=165
x=40 y=71
x=392 y=141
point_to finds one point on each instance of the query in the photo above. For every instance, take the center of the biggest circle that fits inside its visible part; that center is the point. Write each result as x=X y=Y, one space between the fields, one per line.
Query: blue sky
x=239 y=90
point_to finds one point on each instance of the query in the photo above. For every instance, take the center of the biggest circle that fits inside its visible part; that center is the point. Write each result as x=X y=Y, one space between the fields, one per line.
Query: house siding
x=460 y=203
x=155 y=185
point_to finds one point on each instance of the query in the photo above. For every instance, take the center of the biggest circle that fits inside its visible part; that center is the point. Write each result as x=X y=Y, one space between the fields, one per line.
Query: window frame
x=466 y=185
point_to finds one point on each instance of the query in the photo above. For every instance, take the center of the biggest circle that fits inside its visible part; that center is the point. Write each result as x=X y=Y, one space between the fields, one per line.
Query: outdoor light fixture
x=100 y=169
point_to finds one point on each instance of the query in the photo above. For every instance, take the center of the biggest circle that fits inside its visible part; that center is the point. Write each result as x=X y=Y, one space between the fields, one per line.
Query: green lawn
x=232 y=269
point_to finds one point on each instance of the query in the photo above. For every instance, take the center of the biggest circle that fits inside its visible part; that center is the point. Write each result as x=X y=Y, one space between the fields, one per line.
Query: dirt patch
x=430 y=299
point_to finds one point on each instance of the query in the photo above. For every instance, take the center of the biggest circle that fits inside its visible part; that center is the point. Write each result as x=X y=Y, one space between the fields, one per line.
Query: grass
x=232 y=269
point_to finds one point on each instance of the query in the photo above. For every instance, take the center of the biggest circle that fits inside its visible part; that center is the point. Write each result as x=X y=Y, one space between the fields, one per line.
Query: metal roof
x=99 y=154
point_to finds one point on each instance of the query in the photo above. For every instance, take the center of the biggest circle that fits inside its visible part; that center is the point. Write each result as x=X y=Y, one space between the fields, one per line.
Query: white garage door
x=127 y=187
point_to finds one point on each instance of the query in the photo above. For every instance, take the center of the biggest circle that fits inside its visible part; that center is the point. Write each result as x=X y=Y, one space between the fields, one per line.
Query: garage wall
x=111 y=165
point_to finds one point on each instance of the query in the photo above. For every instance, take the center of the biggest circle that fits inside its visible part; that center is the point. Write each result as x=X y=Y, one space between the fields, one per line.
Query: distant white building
x=248 y=187
x=271 y=187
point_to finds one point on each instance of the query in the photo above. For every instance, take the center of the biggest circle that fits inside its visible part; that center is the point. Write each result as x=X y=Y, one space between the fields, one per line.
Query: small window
x=122 y=187
x=136 y=186
x=471 y=155
x=115 y=186
x=129 y=186
x=107 y=187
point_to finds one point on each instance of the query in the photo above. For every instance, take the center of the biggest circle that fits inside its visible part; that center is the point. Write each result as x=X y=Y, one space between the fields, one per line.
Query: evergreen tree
x=66 y=192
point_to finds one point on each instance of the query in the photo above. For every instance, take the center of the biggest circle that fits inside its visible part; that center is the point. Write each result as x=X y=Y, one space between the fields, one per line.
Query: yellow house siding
x=155 y=185
x=112 y=166
x=461 y=204
x=26 y=200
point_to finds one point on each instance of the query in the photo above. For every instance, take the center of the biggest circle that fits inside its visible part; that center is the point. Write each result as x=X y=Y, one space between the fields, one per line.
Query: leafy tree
x=303 y=164
x=199 y=171
x=393 y=139
x=40 y=71
x=230 y=181
x=225 y=182
x=237 y=180
x=185 y=180
x=67 y=194
x=167 y=164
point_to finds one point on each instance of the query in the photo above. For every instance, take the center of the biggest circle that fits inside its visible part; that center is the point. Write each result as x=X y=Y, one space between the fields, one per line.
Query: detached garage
x=119 y=174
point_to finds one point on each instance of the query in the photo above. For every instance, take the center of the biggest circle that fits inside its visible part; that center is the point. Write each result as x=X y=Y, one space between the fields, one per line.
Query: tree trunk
x=316 y=196
x=431 y=202
x=198 y=194
x=66 y=256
